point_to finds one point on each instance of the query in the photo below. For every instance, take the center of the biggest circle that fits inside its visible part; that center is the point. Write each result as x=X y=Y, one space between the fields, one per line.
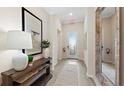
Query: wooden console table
x=36 y=75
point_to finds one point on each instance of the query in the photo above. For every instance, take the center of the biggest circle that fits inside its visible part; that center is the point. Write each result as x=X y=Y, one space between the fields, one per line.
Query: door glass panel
x=72 y=43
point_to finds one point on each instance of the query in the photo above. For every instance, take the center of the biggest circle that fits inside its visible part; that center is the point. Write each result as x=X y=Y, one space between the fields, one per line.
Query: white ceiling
x=78 y=13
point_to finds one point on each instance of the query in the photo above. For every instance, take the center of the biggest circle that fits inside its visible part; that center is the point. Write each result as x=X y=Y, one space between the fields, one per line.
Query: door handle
x=68 y=47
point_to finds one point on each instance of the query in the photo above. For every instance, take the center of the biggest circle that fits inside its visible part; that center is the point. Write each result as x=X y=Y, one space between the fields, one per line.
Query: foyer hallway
x=70 y=72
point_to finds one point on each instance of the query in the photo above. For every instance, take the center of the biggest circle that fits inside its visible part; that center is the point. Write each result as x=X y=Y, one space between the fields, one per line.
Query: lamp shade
x=3 y=35
x=19 y=40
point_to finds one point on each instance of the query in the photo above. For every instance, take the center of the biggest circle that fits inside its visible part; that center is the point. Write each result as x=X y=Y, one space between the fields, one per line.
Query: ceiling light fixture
x=70 y=14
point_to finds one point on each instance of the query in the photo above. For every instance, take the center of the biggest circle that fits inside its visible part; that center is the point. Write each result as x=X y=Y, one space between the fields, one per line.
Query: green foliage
x=45 y=44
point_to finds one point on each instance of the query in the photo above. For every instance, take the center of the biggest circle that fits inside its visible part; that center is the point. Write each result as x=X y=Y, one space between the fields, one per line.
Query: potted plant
x=45 y=44
x=30 y=60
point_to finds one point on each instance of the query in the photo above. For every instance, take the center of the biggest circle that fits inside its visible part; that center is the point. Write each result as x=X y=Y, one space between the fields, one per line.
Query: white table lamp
x=18 y=40
x=3 y=35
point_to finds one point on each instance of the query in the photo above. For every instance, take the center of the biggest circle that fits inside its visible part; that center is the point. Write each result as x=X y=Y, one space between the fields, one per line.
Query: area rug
x=68 y=75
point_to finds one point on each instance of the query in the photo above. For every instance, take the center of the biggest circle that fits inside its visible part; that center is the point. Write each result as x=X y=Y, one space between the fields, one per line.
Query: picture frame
x=32 y=24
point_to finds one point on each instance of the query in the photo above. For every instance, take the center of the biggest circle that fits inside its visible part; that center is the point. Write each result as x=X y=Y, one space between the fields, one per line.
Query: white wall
x=59 y=44
x=114 y=29
x=107 y=39
x=90 y=51
x=78 y=28
x=55 y=25
x=85 y=42
x=10 y=19
x=44 y=16
x=108 y=29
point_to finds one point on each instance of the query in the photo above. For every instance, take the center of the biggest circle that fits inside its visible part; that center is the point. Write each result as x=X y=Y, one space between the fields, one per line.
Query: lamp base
x=20 y=61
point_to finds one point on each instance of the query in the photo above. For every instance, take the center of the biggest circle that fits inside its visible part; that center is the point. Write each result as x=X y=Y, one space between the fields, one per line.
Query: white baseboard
x=90 y=76
x=95 y=80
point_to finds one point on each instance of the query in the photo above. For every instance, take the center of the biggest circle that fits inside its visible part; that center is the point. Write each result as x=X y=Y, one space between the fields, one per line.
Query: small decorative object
x=45 y=44
x=18 y=40
x=107 y=50
x=30 y=60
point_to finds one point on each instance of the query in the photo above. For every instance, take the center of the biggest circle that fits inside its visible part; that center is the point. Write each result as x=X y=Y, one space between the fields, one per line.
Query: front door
x=72 y=44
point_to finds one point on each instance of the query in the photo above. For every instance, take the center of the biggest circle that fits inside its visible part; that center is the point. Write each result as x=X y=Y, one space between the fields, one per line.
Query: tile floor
x=70 y=72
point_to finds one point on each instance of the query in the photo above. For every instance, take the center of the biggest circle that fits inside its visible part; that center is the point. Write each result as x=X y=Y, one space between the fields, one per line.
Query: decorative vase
x=46 y=52
x=20 y=61
x=30 y=60
x=30 y=64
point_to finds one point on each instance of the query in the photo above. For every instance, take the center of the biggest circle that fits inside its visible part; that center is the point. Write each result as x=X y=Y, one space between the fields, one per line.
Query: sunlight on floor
x=72 y=63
